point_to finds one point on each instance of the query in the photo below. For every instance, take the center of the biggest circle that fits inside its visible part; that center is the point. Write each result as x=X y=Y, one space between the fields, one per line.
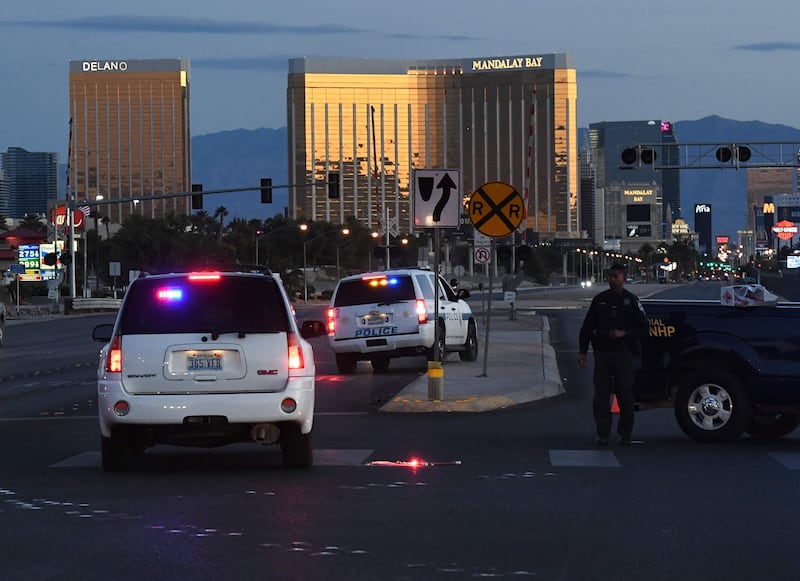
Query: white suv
x=206 y=359
x=380 y=315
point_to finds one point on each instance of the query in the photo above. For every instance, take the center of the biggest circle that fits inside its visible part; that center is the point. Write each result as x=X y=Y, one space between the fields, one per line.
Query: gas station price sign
x=28 y=256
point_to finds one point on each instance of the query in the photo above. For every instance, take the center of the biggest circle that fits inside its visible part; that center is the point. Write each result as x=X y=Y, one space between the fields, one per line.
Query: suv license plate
x=377 y=319
x=209 y=362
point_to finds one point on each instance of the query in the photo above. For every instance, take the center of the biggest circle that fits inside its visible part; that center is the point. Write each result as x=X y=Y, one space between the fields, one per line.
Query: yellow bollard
x=435 y=381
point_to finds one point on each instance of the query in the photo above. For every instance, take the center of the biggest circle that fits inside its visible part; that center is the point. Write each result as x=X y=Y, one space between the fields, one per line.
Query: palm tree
x=220 y=213
x=646 y=252
x=34 y=222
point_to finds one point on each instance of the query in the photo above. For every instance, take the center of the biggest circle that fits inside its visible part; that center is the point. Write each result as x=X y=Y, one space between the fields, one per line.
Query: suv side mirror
x=311 y=329
x=103 y=332
x=462 y=294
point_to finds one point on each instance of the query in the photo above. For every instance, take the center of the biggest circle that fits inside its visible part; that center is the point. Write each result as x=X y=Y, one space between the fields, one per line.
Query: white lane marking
x=584 y=458
x=47 y=419
x=788 y=459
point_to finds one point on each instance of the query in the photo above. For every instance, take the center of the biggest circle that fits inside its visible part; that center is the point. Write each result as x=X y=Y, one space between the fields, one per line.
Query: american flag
x=86 y=210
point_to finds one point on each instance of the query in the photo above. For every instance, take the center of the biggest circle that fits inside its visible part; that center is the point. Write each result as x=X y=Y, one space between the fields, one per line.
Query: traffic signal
x=638 y=155
x=197 y=199
x=733 y=152
x=65 y=258
x=50 y=259
x=266 y=190
x=333 y=185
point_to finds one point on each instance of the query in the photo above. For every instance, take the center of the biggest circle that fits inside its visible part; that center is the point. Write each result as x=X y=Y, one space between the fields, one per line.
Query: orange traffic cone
x=614 y=406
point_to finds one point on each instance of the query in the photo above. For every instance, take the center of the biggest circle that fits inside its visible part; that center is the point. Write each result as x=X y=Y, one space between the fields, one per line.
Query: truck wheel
x=470 y=352
x=346 y=364
x=440 y=332
x=296 y=447
x=712 y=406
x=116 y=451
x=380 y=364
x=772 y=427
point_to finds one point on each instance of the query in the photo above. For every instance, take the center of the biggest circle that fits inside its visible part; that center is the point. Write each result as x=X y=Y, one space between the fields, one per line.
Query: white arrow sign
x=437 y=198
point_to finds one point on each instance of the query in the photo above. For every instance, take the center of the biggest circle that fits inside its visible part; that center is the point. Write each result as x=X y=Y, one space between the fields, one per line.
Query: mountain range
x=241 y=157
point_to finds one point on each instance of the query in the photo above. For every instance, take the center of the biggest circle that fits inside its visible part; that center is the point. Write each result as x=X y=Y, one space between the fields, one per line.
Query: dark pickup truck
x=725 y=370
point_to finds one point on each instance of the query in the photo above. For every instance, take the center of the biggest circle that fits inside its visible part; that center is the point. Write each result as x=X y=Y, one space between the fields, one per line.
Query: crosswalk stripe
x=360 y=456
x=584 y=458
x=322 y=457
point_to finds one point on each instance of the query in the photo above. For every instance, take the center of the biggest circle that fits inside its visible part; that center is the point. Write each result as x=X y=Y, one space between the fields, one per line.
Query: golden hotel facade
x=369 y=123
x=130 y=136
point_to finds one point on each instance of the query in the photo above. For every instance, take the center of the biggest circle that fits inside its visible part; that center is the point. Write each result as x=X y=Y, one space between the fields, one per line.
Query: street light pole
x=257 y=236
x=96 y=214
x=304 y=228
x=305 y=280
x=344 y=232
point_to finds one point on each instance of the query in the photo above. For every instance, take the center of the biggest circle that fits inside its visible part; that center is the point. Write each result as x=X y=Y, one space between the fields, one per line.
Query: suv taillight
x=295 y=352
x=422 y=312
x=114 y=356
x=331 y=321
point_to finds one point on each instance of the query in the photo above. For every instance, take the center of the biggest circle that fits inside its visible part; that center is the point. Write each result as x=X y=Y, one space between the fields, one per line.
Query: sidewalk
x=520 y=367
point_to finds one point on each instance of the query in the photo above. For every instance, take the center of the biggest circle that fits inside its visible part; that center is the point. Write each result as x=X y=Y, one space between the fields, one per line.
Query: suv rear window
x=227 y=304
x=362 y=291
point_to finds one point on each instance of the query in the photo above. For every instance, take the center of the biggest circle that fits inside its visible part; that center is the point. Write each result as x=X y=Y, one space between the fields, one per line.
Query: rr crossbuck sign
x=496 y=209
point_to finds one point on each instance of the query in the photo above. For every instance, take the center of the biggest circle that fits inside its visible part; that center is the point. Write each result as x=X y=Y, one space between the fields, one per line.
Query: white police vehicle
x=377 y=316
x=206 y=359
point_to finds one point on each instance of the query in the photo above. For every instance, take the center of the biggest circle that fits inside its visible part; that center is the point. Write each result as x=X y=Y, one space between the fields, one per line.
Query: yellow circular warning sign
x=496 y=209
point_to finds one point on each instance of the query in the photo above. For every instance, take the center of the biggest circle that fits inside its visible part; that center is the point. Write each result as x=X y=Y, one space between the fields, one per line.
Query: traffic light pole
x=70 y=243
x=712 y=155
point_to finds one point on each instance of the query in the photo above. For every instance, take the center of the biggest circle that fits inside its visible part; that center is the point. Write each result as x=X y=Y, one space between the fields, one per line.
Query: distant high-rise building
x=763 y=183
x=670 y=178
x=130 y=137
x=702 y=225
x=630 y=197
x=370 y=123
x=31 y=180
x=4 y=203
x=588 y=202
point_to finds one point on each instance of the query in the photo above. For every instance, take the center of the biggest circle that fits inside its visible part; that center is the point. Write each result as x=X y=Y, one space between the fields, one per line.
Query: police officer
x=613 y=325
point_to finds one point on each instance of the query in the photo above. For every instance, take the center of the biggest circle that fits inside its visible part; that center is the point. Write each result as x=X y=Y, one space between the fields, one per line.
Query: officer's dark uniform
x=613 y=358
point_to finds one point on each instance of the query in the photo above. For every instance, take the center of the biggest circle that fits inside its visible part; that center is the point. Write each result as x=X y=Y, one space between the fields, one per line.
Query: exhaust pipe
x=265 y=433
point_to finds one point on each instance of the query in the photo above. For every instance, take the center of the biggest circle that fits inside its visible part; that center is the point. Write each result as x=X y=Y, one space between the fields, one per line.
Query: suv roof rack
x=243 y=268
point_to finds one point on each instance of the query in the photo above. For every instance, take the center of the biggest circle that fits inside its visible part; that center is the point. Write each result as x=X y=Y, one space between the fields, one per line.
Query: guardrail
x=86 y=305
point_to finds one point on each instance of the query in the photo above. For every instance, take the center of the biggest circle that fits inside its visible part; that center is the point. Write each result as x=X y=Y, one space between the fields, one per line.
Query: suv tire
x=440 y=334
x=470 y=352
x=296 y=447
x=346 y=364
x=380 y=364
x=116 y=451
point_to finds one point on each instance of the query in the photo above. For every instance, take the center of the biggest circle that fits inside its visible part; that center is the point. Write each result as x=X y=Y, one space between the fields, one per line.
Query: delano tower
x=130 y=137
x=368 y=124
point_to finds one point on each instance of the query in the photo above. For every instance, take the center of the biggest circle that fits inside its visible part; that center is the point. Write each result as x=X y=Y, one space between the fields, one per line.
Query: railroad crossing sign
x=437 y=198
x=483 y=254
x=496 y=209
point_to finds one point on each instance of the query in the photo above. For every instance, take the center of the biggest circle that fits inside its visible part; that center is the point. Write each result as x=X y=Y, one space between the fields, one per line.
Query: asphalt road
x=514 y=493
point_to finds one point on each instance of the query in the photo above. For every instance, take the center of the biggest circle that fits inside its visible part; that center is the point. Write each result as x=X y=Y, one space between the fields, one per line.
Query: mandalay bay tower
x=368 y=124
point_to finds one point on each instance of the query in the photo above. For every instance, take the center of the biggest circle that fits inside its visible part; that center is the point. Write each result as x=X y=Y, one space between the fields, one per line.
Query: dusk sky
x=679 y=60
